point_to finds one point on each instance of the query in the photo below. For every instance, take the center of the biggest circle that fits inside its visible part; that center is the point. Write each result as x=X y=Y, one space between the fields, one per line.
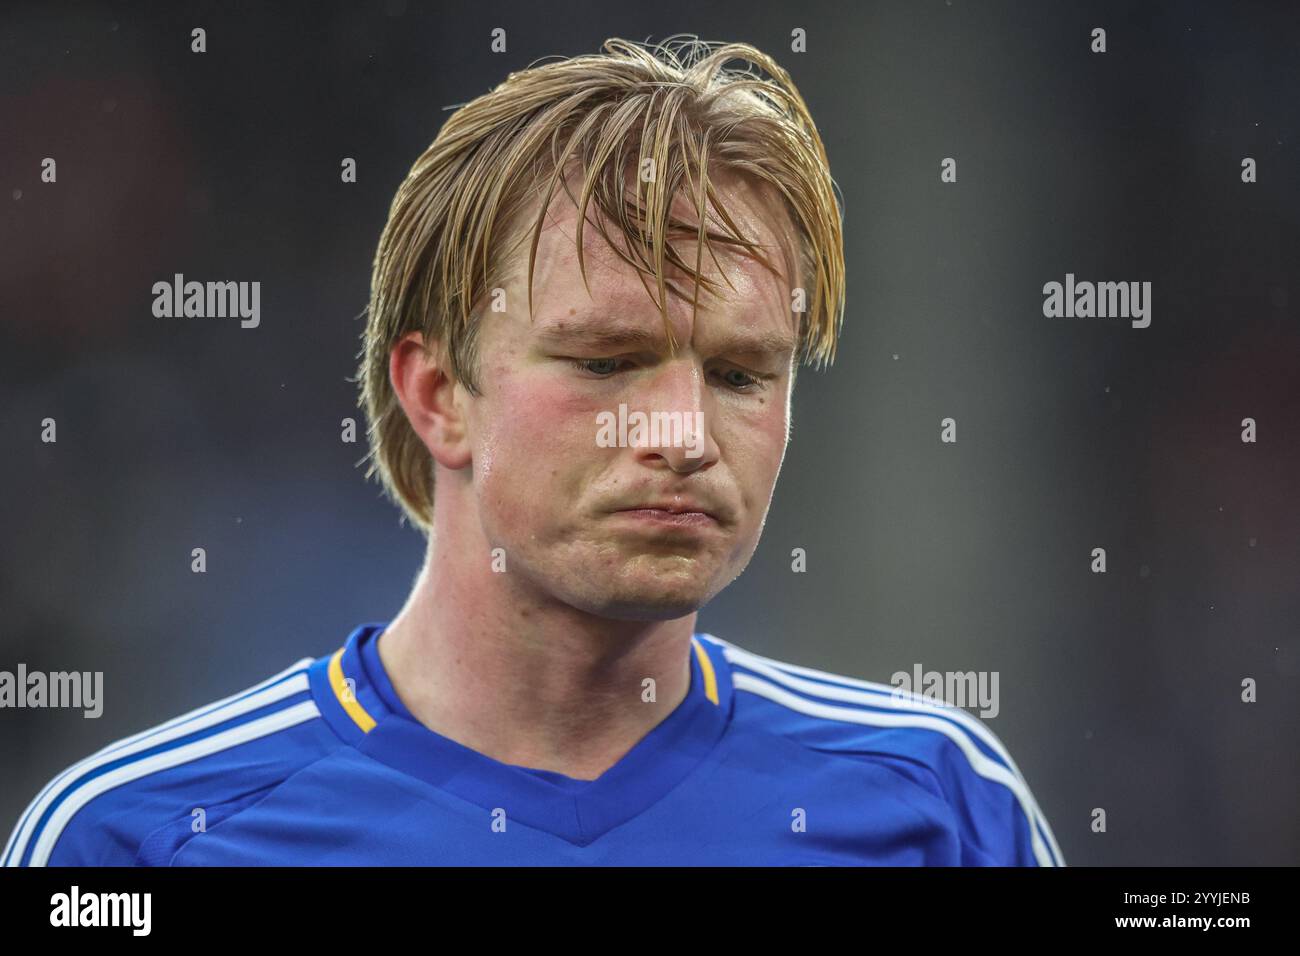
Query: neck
x=481 y=659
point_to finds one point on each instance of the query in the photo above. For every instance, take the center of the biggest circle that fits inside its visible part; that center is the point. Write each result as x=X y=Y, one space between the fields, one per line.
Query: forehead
x=747 y=296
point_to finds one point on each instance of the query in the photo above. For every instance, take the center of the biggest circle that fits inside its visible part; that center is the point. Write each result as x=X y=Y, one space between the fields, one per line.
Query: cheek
x=527 y=428
x=758 y=439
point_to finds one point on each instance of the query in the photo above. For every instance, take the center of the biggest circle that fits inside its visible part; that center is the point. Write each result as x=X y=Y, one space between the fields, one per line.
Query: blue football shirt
x=762 y=763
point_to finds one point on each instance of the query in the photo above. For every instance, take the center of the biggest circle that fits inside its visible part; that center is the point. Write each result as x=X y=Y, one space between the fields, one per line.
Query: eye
x=741 y=381
x=602 y=367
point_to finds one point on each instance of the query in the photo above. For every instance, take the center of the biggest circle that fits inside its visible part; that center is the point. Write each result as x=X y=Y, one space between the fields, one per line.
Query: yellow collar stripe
x=347 y=695
x=706 y=668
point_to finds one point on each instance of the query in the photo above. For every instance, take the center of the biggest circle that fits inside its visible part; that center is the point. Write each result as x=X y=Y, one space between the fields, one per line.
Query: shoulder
x=135 y=800
x=945 y=749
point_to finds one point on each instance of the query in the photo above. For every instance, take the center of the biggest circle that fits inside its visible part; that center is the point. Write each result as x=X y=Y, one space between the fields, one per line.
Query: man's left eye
x=738 y=379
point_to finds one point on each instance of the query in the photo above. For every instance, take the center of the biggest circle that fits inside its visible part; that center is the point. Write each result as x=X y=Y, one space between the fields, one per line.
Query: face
x=628 y=522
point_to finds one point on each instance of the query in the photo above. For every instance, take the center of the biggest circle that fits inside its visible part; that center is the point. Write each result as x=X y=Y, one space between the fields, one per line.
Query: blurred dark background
x=1118 y=690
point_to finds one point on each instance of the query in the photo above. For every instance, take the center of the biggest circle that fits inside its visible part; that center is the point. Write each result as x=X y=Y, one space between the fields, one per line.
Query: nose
x=679 y=412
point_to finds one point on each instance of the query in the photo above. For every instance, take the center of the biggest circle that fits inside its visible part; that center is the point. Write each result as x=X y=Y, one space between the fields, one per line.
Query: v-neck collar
x=356 y=696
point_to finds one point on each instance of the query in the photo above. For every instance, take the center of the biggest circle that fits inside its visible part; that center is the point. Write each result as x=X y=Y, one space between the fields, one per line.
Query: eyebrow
x=764 y=342
x=600 y=336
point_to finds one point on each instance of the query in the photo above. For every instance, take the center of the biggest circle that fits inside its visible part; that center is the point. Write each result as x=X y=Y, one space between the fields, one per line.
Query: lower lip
x=685 y=519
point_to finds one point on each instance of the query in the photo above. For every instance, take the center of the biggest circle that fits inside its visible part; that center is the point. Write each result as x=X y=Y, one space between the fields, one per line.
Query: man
x=587 y=308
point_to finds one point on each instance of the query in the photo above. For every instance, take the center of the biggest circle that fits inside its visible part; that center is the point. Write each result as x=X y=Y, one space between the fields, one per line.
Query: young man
x=587 y=309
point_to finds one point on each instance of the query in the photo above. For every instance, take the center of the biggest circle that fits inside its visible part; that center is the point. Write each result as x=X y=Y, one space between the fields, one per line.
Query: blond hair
x=677 y=104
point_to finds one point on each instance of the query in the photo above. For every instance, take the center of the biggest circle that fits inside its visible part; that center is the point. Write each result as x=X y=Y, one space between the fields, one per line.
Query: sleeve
x=998 y=818
x=87 y=819
x=55 y=831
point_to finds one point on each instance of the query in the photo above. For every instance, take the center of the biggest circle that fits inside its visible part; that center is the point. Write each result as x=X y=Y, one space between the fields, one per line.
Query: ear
x=432 y=399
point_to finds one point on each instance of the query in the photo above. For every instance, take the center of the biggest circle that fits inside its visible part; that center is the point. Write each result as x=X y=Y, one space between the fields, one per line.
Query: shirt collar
x=357 y=698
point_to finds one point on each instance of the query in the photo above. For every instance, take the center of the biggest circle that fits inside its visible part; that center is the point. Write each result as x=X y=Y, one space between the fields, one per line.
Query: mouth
x=671 y=518
x=667 y=511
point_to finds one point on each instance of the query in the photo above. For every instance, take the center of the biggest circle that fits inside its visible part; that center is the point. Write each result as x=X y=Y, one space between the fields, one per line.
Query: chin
x=663 y=599
x=632 y=610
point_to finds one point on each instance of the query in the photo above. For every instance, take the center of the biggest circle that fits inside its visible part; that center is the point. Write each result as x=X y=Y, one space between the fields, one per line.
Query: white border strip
x=261 y=727
x=223 y=710
x=883 y=695
x=980 y=762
